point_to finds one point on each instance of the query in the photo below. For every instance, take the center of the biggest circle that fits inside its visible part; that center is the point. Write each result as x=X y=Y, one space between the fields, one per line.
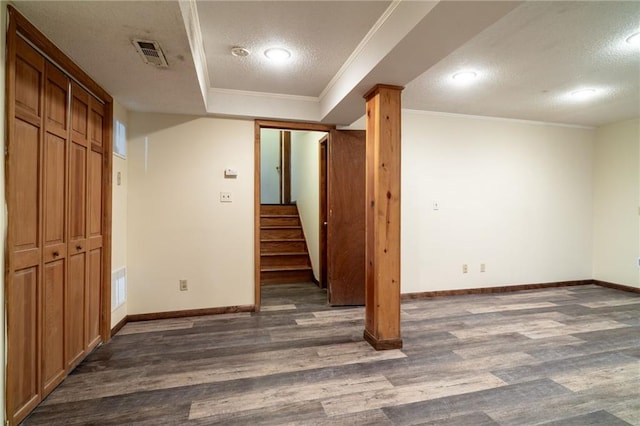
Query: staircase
x=283 y=251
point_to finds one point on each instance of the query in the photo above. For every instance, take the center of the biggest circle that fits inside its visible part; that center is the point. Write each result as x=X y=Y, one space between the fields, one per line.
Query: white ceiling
x=528 y=55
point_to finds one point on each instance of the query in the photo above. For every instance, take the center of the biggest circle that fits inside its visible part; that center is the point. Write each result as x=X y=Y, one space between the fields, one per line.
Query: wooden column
x=382 y=325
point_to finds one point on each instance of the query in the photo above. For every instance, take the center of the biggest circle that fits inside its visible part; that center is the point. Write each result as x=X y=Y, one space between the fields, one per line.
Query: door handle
x=78 y=247
x=56 y=254
x=324 y=223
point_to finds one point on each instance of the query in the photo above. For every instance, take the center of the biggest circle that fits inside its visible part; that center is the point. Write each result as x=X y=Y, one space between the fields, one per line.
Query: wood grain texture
x=382 y=258
x=346 y=159
x=300 y=361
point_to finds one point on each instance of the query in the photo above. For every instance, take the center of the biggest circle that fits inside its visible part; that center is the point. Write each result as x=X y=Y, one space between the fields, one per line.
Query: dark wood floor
x=565 y=356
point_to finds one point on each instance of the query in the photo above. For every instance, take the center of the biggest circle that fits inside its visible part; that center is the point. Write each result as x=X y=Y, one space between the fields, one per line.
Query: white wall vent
x=118 y=288
x=151 y=53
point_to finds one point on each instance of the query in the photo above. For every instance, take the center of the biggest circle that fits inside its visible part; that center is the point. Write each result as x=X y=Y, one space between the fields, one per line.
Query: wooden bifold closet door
x=57 y=144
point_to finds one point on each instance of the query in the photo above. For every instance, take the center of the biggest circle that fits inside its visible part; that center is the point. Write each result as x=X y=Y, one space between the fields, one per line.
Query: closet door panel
x=55 y=153
x=25 y=157
x=55 y=226
x=28 y=83
x=53 y=362
x=93 y=297
x=95 y=194
x=78 y=202
x=95 y=183
x=24 y=246
x=23 y=392
x=95 y=245
x=74 y=312
x=78 y=192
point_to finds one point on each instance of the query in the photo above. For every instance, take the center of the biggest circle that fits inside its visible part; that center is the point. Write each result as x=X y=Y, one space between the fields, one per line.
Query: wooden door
x=77 y=248
x=95 y=224
x=57 y=189
x=346 y=217
x=323 y=211
x=24 y=181
x=56 y=123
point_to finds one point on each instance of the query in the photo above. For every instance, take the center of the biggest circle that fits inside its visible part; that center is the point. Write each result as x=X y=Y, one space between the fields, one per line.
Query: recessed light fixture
x=634 y=39
x=240 y=52
x=277 y=53
x=583 y=94
x=464 y=77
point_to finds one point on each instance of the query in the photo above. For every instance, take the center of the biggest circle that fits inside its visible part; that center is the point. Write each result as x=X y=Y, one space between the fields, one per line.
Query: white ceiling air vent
x=151 y=53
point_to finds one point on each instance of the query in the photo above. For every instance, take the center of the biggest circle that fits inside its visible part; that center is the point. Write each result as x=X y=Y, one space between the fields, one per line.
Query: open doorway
x=309 y=226
x=286 y=204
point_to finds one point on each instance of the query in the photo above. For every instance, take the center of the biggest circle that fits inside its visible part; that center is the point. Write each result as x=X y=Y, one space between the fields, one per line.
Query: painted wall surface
x=305 y=189
x=3 y=211
x=177 y=226
x=616 y=223
x=269 y=166
x=119 y=212
x=514 y=196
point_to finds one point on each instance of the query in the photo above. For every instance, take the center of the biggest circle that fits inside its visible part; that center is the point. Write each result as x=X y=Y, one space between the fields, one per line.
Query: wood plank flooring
x=563 y=356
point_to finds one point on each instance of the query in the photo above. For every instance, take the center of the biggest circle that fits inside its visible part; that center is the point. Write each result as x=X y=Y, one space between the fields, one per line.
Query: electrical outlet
x=183 y=285
x=465 y=268
x=225 y=197
x=482 y=267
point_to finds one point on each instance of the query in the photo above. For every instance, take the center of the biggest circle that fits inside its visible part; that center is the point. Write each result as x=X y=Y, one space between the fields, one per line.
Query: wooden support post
x=382 y=325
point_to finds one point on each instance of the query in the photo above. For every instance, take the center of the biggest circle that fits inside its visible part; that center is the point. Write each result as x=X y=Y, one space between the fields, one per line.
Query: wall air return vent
x=151 y=53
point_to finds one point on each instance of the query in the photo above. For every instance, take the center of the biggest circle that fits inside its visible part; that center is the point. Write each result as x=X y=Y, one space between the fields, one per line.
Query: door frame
x=259 y=125
x=323 y=147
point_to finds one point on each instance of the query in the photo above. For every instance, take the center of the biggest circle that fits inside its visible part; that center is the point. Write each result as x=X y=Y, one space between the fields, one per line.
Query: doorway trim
x=259 y=125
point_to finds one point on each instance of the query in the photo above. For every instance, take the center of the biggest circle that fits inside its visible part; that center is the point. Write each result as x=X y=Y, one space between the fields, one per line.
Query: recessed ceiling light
x=277 y=54
x=634 y=39
x=583 y=94
x=240 y=52
x=464 y=77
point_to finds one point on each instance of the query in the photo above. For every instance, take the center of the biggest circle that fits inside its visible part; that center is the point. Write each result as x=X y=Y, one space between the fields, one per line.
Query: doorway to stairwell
x=309 y=222
x=288 y=211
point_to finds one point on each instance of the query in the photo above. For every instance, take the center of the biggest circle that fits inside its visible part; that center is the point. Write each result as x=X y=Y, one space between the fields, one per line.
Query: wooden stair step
x=282 y=246
x=284 y=253
x=284 y=257
x=279 y=221
x=278 y=209
x=280 y=227
x=285 y=268
x=286 y=277
x=283 y=260
x=281 y=233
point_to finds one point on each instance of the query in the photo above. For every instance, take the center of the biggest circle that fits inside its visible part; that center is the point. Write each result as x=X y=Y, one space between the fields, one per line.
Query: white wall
x=177 y=227
x=3 y=211
x=305 y=189
x=269 y=161
x=119 y=212
x=515 y=196
x=616 y=227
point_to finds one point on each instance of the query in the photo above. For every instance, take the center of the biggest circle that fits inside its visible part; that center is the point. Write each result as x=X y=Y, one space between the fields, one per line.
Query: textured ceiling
x=97 y=36
x=530 y=60
x=320 y=34
x=528 y=55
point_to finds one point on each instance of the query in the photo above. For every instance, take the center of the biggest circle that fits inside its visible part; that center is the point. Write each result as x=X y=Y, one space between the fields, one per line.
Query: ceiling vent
x=151 y=53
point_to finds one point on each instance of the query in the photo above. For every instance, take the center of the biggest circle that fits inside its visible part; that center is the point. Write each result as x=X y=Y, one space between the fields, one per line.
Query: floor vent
x=151 y=53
